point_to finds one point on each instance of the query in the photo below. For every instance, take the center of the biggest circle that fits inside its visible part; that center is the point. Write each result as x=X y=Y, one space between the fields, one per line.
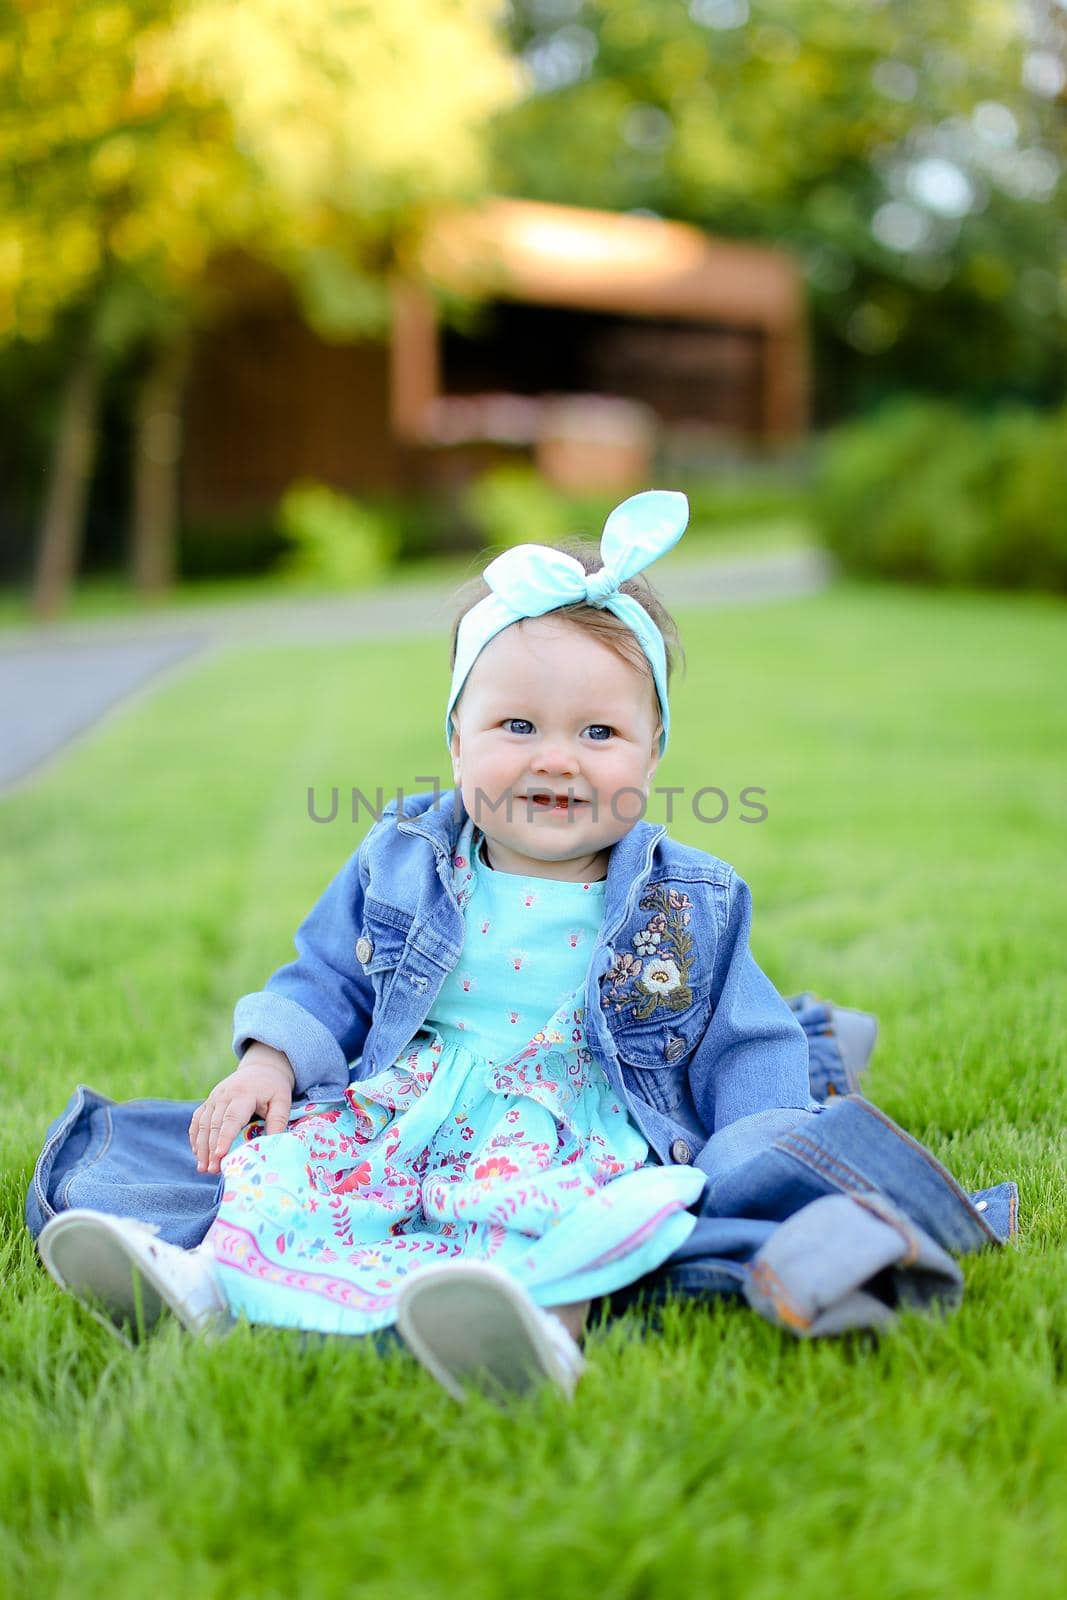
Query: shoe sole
x=856 y=1033
x=91 y=1259
x=471 y=1326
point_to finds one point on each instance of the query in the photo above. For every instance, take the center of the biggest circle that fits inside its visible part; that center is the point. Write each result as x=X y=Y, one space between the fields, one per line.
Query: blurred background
x=312 y=295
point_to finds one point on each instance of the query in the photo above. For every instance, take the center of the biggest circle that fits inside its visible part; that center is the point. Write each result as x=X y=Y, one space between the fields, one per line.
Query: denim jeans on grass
x=828 y=1220
x=822 y=1220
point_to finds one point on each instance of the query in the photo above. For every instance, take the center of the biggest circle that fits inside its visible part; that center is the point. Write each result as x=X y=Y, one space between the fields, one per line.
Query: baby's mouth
x=553 y=802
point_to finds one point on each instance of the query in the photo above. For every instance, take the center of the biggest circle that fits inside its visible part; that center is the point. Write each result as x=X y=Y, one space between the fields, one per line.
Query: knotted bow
x=531 y=579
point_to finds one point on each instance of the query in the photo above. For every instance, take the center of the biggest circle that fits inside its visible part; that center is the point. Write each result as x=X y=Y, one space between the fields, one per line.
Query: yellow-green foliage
x=335 y=539
x=513 y=504
x=140 y=141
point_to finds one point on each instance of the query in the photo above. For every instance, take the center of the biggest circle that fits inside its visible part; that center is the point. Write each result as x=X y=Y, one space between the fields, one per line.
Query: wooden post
x=157 y=447
x=785 y=391
x=414 y=360
x=60 y=539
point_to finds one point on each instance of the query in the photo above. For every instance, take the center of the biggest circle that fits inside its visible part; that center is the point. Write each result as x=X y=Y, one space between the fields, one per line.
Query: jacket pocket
x=655 y=1055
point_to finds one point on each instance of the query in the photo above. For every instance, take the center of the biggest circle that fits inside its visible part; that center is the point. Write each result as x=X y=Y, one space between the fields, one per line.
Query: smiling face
x=555 y=741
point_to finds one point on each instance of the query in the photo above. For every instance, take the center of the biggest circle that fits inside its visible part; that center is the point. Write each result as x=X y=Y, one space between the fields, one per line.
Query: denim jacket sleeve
x=753 y=1054
x=317 y=1008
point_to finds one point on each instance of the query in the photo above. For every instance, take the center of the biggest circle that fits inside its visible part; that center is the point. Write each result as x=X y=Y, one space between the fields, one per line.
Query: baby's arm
x=317 y=1009
x=302 y=1029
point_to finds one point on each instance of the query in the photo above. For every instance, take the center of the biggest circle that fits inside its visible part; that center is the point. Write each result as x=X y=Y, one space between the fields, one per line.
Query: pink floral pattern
x=442 y=1155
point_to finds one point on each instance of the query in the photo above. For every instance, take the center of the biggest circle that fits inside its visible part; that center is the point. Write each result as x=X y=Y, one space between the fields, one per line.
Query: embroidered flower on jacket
x=661 y=980
x=661 y=975
x=626 y=966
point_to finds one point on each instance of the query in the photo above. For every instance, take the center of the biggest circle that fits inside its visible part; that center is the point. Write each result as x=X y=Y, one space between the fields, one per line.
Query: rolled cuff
x=317 y=1059
x=816 y=1273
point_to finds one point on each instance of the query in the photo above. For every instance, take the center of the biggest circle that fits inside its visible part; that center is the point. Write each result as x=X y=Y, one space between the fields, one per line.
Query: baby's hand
x=261 y=1086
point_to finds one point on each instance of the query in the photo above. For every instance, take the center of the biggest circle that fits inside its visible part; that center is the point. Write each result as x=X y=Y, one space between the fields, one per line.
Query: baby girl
x=522 y=1028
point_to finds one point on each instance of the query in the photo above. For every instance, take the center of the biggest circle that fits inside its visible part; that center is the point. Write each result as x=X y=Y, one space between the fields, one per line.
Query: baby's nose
x=558 y=758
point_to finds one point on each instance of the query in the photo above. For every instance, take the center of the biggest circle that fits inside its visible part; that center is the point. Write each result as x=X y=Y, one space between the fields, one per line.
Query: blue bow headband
x=532 y=579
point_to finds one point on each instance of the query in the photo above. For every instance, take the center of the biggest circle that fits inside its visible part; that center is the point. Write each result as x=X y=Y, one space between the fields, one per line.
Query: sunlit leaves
x=139 y=141
x=896 y=148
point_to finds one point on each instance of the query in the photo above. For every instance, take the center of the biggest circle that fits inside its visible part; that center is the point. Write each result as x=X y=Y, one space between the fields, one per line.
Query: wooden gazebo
x=705 y=336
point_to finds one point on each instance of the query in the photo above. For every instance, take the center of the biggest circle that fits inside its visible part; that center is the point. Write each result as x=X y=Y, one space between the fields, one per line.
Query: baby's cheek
x=623 y=804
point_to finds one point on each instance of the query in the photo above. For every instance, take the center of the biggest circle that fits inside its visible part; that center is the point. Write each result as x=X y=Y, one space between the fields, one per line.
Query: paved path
x=52 y=692
x=57 y=680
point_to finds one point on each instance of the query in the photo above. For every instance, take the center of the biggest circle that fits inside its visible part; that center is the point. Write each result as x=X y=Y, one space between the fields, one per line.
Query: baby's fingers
x=278 y=1108
x=200 y=1135
x=236 y=1116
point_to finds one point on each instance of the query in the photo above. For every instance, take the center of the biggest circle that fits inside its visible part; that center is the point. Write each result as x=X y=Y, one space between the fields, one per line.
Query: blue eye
x=599 y=731
x=518 y=725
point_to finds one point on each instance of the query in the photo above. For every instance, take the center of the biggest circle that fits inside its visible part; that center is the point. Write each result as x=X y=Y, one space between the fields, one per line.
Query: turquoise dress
x=494 y=1137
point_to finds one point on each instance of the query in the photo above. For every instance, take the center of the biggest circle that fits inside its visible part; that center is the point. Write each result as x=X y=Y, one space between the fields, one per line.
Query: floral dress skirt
x=532 y=1164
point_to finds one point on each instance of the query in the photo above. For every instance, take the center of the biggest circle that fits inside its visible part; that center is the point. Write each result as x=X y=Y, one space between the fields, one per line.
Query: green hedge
x=239 y=548
x=511 y=504
x=924 y=491
x=319 y=532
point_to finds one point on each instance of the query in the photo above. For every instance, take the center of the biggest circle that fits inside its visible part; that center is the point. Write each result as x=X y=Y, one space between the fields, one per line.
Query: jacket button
x=680 y=1152
x=364 y=950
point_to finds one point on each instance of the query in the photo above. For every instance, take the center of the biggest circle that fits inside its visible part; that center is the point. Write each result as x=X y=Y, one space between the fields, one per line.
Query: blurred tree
x=150 y=148
x=912 y=156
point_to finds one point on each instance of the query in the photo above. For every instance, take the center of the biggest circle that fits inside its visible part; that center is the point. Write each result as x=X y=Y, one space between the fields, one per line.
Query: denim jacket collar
x=628 y=862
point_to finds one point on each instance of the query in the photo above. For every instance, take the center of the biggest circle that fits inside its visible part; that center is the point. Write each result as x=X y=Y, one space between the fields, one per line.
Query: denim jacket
x=683 y=1021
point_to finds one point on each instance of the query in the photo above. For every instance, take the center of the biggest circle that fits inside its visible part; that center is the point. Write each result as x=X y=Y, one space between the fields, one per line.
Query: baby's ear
x=655 y=752
x=453 y=745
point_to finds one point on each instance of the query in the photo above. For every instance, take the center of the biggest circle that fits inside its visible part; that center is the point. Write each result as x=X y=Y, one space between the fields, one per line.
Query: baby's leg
x=573 y=1317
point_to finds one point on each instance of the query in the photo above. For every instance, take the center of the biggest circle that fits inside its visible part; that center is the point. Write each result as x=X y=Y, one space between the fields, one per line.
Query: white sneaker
x=126 y=1276
x=471 y=1325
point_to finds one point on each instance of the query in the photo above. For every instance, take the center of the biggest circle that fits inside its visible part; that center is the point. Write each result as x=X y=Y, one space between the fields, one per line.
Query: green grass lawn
x=911 y=746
